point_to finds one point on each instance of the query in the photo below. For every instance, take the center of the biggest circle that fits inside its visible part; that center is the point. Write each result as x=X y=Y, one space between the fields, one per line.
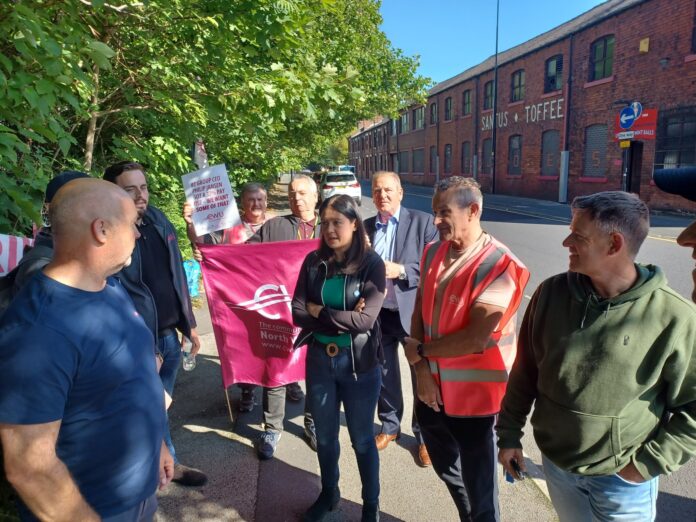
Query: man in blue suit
x=399 y=236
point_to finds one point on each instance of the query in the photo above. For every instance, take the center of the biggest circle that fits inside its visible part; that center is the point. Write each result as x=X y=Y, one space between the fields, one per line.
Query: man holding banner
x=254 y=200
x=302 y=224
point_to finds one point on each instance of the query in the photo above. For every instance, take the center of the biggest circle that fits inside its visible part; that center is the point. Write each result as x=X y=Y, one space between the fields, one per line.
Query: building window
x=515 y=155
x=404 y=123
x=676 y=139
x=551 y=153
x=466 y=157
x=419 y=118
x=448 y=158
x=488 y=95
x=433 y=113
x=466 y=102
x=553 y=77
x=693 y=37
x=393 y=158
x=517 y=86
x=393 y=127
x=487 y=156
x=596 y=137
x=602 y=58
x=448 y=109
x=433 y=159
x=418 y=161
x=403 y=162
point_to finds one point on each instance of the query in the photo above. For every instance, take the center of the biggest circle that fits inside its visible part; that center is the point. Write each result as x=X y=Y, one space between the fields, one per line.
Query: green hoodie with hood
x=612 y=381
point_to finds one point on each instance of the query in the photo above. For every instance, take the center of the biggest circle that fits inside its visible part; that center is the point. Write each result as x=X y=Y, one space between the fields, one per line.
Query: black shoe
x=293 y=392
x=188 y=476
x=327 y=501
x=311 y=436
x=370 y=512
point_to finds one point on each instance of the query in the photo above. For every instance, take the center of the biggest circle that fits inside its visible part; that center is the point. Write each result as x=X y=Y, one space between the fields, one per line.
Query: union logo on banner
x=249 y=290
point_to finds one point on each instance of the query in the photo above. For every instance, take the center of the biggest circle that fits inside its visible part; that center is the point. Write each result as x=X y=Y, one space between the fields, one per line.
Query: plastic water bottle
x=189 y=359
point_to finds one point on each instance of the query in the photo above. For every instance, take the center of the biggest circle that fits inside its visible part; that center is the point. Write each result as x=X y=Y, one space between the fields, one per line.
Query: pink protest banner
x=249 y=289
x=11 y=251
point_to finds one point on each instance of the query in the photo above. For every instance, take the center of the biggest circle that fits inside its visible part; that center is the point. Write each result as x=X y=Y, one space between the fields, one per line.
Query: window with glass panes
x=466 y=102
x=553 y=77
x=487 y=164
x=602 y=58
x=403 y=162
x=448 y=108
x=418 y=161
x=419 y=118
x=433 y=113
x=433 y=158
x=515 y=155
x=466 y=157
x=488 y=95
x=517 y=86
x=596 y=141
x=404 y=123
x=448 y=158
x=550 y=153
x=676 y=139
x=393 y=127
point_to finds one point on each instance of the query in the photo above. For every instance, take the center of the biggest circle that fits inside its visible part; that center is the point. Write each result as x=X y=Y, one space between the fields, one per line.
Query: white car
x=340 y=183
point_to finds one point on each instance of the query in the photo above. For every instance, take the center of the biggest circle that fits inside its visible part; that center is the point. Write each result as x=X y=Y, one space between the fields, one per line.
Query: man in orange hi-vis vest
x=463 y=344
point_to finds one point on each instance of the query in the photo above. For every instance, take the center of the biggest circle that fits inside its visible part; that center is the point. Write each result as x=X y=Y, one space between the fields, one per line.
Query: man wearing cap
x=156 y=282
x=607 y=359
x=38 y=256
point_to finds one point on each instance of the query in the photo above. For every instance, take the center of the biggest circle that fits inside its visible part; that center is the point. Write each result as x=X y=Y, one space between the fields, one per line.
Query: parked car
x=340 y=183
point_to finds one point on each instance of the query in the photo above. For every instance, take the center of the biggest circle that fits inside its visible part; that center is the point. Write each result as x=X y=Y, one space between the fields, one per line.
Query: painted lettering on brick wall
x=534 y=113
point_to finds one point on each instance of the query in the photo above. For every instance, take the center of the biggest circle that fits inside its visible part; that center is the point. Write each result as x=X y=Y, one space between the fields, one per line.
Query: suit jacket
x=416 y=229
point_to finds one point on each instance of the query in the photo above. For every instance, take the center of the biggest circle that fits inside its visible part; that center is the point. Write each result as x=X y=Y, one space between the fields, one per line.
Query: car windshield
x=333 y=178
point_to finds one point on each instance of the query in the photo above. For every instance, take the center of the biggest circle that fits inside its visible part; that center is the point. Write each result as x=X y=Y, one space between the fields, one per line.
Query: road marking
x=548 y=218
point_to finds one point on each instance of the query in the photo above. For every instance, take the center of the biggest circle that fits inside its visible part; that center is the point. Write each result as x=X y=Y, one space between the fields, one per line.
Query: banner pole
x=229 y=406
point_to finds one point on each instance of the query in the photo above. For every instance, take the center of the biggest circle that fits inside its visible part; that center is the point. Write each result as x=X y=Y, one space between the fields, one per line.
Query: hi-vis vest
x=471 y=385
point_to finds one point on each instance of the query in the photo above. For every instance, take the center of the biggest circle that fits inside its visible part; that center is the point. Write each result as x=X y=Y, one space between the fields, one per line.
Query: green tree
x=268 y=84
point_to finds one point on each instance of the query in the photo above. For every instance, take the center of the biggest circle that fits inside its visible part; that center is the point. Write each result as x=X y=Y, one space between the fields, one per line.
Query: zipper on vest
x=352 y=353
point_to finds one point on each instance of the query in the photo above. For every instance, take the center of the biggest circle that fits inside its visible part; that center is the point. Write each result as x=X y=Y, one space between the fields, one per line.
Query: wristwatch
x=402 y=274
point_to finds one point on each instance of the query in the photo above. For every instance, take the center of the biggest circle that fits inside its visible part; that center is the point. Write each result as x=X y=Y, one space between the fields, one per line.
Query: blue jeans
x=330 y=381
x=578 y=498
x=170 y=350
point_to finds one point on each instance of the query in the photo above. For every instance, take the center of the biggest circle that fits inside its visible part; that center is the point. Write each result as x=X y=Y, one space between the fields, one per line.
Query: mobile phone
x=516 y=466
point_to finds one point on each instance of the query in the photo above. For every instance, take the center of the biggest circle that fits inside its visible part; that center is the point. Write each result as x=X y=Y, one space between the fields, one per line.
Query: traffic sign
x=627 y=117
x=635 y=123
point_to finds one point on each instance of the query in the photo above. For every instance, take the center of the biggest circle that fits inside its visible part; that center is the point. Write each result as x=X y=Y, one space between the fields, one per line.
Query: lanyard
x=314 y=228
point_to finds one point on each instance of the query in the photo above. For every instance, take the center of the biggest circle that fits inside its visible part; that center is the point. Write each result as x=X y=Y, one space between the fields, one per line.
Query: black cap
x=680 y=181
x=60 y=180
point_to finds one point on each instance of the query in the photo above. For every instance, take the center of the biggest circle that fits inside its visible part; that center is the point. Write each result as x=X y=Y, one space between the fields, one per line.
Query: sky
x=452 y=35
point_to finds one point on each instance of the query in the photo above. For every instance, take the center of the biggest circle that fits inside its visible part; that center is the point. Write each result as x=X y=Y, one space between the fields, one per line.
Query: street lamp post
x=495 y=99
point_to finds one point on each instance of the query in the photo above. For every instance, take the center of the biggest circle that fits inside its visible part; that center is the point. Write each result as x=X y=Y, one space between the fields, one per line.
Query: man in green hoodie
x=606 y=356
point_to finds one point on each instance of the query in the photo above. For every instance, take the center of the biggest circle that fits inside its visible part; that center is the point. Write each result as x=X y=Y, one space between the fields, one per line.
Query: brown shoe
x=423 y=456
x=383 y=439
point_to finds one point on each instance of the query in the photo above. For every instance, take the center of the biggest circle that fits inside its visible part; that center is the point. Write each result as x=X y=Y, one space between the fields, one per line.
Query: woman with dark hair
x=337 y=300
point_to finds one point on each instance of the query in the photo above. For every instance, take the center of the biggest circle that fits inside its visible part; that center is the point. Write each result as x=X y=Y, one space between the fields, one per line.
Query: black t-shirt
x=157 y=276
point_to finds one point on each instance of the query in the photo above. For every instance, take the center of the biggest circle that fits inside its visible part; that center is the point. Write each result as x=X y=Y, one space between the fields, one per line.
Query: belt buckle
x=332 y=349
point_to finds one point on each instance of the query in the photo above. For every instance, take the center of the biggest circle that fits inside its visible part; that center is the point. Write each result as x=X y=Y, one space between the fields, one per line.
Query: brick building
x=559 y=100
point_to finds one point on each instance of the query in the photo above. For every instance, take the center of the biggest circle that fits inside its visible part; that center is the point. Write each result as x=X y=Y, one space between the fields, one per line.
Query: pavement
x=211 y=435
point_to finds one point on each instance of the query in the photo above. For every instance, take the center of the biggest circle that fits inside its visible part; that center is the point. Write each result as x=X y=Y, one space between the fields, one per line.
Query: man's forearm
x=51 y=493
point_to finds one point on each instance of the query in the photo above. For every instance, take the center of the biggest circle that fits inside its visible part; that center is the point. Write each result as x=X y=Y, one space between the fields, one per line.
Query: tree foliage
x=268 y=84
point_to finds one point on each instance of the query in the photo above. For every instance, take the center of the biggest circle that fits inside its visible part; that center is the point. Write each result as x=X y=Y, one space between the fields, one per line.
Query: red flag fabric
x=249 y=290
